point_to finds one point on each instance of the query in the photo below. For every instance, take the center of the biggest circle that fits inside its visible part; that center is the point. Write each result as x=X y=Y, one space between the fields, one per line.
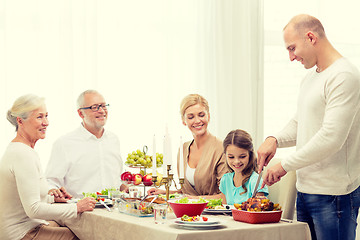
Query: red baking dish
x=256 y=217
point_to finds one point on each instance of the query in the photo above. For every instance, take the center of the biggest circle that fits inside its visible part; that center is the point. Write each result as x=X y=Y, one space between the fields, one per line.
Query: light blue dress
x=232 y=193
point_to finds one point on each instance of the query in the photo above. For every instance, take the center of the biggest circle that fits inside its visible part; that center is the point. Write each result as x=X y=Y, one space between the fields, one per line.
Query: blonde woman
x=204 y=161
x=25 y=204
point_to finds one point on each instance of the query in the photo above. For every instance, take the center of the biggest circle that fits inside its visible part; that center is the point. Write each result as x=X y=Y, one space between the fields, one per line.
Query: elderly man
x=326 y=132
x=88 y=158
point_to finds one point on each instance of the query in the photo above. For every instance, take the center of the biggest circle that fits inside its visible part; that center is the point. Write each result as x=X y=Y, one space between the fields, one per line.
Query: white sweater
x=326 y=132
x=24 y=202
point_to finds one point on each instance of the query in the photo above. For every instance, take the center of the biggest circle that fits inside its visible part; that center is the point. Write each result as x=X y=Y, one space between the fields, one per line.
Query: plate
x=219 y=211
x=209 y=222
x=106 y=201
x=181 y=224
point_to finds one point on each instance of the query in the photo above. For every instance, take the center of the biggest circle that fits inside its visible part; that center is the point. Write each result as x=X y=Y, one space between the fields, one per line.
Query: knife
x=257 y=185
x=100 y=201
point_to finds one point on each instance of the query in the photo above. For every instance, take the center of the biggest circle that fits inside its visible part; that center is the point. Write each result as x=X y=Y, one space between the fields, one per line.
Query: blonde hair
x=22 y=108
x=191 y=100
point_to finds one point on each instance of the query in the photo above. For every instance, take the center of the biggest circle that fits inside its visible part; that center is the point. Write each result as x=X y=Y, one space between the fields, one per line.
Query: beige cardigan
x=211 y=167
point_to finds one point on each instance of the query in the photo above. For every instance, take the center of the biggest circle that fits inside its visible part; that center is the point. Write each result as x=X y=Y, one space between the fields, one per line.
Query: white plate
x=206 y=210
x=106 y=201
x=209 y=222
x=97 y=204
x=198 y=227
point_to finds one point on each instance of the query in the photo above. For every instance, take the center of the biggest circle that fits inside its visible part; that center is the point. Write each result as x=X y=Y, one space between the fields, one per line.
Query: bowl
x=256 y=217
x=190 y=209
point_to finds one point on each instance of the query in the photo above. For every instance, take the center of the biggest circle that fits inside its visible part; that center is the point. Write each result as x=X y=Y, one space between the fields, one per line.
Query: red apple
x=137 y=178
x=147 y=180
x=126 y=176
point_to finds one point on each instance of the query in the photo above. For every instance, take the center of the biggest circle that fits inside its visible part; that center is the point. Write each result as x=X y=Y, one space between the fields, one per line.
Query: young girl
x=238 y=185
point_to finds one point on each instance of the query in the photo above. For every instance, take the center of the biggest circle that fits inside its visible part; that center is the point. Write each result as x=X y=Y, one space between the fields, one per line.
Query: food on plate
x=137 y=178
x=186 y=200
x=171 y=196
x=139 y=158
x=258 y=204
x=157 y=200
x=99 y=195
x=214 y=203
x=186 y=218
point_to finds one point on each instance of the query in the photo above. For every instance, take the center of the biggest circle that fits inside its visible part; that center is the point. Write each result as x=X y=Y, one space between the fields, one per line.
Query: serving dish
x=256 y=217
x=133 y=207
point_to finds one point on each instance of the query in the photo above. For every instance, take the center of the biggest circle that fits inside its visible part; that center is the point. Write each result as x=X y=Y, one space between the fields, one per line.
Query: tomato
x=205 y=219
x=98 y=193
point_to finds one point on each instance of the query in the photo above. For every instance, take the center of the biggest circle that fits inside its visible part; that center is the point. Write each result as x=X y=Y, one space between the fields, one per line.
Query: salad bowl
x=190 y=207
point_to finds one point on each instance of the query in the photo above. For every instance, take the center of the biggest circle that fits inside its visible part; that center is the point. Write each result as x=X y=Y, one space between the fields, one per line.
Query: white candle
x=154 y=157
x=181 y=160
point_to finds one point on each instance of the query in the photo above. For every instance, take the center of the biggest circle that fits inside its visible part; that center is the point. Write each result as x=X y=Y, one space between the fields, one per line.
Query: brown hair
x=243 y=140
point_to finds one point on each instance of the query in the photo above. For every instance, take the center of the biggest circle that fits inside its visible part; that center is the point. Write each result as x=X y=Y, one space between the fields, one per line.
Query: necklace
x=318 y=70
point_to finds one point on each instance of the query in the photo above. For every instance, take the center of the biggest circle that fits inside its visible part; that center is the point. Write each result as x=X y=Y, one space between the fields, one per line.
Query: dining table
x=103 y=224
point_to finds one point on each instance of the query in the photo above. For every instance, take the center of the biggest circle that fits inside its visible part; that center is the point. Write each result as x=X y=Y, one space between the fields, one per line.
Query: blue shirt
x=232 y=193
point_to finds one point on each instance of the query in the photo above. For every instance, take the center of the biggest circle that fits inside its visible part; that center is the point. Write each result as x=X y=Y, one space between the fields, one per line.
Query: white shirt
x=24 y=201
x=83 y=163
x=326 y=131
x=190 y=175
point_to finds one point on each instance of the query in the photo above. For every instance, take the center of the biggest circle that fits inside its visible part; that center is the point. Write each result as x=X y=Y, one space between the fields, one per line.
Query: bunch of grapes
x=139 y=158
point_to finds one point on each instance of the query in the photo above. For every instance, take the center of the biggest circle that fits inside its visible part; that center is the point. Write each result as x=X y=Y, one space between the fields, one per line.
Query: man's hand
x=60 y=194
x=266 y=152
x=273 y=175
x=85 y=204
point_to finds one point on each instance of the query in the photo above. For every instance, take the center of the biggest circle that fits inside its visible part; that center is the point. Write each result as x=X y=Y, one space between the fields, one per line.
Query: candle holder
x=167 y=182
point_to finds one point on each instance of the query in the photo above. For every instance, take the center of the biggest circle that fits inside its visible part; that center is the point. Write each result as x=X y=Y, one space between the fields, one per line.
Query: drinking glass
x=115 y=197
x=134 y=192
x=160 y=213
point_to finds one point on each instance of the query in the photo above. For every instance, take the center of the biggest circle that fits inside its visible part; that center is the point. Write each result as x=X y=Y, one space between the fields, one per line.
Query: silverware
x=286 y=220
x=102 y=203
x=144 y=198
x=153 y=200
x=257 y=185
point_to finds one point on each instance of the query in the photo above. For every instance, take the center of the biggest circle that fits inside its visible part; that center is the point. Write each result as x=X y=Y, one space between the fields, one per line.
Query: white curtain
x=143 y=56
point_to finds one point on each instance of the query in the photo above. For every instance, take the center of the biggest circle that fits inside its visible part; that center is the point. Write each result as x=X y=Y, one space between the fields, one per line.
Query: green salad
x=212 y=203
x=186 y=200
x=171 y=196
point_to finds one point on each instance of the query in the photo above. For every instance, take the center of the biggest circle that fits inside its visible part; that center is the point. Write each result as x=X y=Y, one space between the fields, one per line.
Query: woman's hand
x=60 y=194
x=155 y=191
x=85 y=204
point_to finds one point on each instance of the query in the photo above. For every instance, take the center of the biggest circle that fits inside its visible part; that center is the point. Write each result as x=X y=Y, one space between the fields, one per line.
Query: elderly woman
x=25 y=204
x=204 y=161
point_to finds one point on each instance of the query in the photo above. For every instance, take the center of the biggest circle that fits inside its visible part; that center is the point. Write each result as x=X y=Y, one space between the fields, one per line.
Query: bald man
x=326 y=133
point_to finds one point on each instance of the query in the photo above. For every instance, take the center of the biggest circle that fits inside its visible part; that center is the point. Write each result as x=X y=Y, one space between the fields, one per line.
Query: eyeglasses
x=96 y=107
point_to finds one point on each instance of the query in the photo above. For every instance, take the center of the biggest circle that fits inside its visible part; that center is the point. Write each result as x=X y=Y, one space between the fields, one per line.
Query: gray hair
x=81 y=98
x=22 y=108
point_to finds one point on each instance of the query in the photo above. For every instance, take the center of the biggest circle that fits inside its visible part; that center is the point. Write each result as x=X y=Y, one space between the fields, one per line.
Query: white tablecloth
x=101 y=224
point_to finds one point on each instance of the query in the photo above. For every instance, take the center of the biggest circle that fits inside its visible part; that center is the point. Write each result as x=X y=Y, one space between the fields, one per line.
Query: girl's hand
x=85 y=204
